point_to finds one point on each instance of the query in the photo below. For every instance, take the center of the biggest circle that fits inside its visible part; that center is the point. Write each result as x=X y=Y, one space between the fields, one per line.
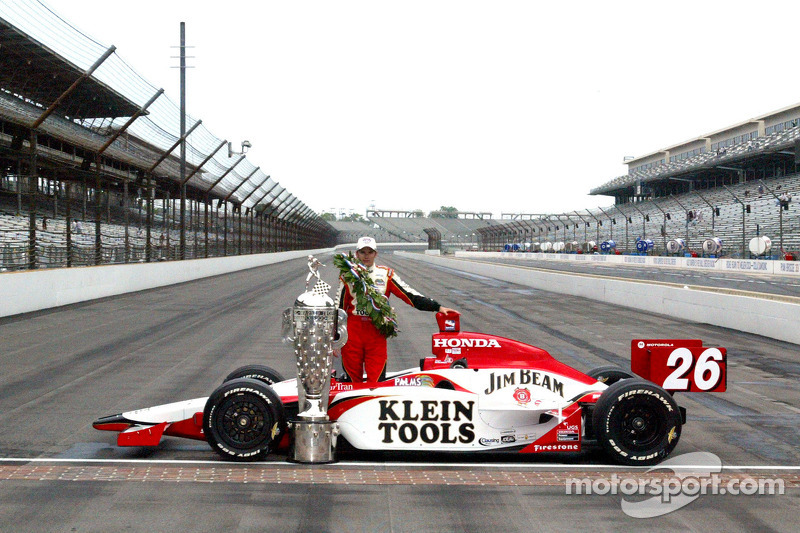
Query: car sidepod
x=480 y=410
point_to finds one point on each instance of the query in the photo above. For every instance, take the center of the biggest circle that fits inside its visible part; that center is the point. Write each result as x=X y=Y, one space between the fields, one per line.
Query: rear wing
x=680 y=365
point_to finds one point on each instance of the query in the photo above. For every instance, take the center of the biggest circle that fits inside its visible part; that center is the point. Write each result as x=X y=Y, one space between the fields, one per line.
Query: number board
x=680 y=364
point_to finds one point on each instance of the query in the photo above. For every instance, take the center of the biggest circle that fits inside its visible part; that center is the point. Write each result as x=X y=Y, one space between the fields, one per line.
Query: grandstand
x=87 y=147
x=456 y=229
x=350 y=231
x=124 y=234
x=88 y=176
x=734 y=184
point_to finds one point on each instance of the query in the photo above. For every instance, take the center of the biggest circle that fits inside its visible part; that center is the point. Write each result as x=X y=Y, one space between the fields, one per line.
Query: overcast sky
x=512 y=106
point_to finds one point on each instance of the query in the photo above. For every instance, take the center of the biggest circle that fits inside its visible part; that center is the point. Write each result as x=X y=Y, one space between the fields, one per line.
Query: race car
x=476 y=393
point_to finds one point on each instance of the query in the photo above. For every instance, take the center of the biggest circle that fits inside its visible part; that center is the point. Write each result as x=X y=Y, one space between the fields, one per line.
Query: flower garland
x=369 y=300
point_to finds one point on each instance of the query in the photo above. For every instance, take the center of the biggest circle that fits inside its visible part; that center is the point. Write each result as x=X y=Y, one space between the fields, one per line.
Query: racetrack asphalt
x=64 y=368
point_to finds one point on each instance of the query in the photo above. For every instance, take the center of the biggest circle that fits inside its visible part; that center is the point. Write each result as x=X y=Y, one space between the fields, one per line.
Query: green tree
x=445 y=212
x=329 y=217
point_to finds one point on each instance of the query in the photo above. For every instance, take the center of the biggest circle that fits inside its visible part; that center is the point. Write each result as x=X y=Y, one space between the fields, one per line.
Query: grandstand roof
x=32 y=70
x=716 y=133
x=42 y=56
x=773 y=135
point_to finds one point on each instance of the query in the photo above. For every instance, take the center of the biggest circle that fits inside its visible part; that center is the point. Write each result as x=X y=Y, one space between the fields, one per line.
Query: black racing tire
x=610 y=374
x=262 y=373
x=637 y=422
x=243 y=420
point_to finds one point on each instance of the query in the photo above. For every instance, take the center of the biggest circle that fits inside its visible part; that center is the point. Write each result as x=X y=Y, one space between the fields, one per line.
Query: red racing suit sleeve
x=403 y=290
x=344 y=300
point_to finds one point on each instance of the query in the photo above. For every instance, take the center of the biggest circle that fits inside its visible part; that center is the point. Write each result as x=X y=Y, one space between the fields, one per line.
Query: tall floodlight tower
x=183 y=140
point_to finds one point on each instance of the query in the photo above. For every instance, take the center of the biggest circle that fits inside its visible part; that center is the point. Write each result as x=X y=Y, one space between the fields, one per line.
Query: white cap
x=367 y=242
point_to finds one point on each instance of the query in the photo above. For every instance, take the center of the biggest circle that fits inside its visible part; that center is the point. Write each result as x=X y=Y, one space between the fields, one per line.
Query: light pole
x=686 y=213
x=744 y=208
x=599 y=223
x=613 y=221
x=664 y=227
x=558 y=217
x=645 y=219
x=627 y=221
x=780 y=211
x=585 y=225
x=713 y=211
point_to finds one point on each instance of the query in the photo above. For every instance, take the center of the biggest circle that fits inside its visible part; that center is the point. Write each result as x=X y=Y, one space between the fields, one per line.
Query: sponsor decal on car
x=429 y=421
x=672 y=434
x=524 y=377
x=563 y=435
x=522 y=396
x=494 y=441
x=413 y=381
x=556 y=448
x=463 y=342
x=449 y=325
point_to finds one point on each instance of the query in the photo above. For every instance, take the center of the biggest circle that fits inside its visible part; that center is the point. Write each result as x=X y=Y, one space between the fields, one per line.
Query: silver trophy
x=311 y=326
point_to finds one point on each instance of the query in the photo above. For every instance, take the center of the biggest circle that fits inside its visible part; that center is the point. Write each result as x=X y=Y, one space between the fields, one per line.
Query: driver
x=366 y=346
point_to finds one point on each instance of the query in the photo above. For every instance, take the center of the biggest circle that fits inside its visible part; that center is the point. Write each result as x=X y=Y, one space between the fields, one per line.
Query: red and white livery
x=476 y=393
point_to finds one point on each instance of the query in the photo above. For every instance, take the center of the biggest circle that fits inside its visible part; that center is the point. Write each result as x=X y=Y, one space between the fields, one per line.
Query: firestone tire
x=609 y=374
x=262 y=373
x=637 y=422
x=243 y=419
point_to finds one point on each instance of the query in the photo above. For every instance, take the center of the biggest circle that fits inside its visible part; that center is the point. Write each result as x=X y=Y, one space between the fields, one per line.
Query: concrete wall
x=758 y=266
x=777 y=320
x=26 y=291
x=23 y=292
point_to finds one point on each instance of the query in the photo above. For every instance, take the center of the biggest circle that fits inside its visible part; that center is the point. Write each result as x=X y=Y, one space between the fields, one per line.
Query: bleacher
x=672 y=214
x=350 y=231
x=412 y=229
x=51 y=235
x=723 y=156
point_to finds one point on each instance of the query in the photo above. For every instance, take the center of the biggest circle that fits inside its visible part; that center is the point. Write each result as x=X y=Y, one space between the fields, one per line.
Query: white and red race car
x=477 y=392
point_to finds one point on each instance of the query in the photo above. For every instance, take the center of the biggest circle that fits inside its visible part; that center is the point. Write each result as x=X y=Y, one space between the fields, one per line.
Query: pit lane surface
x=64 y=368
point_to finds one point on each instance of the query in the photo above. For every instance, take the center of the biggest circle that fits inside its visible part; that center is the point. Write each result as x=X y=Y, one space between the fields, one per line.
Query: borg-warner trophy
x=311 y=325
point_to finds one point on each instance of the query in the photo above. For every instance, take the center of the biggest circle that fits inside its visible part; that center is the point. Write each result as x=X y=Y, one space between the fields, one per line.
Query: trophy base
x=313 y=442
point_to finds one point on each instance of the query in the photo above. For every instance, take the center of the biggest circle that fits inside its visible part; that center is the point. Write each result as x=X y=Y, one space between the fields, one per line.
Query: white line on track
x=350 y=464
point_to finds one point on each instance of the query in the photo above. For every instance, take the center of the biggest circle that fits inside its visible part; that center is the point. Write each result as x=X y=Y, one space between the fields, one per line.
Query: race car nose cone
x=112 y=423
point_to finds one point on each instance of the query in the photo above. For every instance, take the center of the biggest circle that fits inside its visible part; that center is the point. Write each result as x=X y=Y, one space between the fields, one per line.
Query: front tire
x=243 y=419
x=609 y=374
x=262 y=373
x=637 y=422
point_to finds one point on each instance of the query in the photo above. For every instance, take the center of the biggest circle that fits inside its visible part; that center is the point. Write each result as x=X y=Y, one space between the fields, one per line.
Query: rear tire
x=609 y=374
x=262 y=373
x=243 y=419
x=637 y=422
